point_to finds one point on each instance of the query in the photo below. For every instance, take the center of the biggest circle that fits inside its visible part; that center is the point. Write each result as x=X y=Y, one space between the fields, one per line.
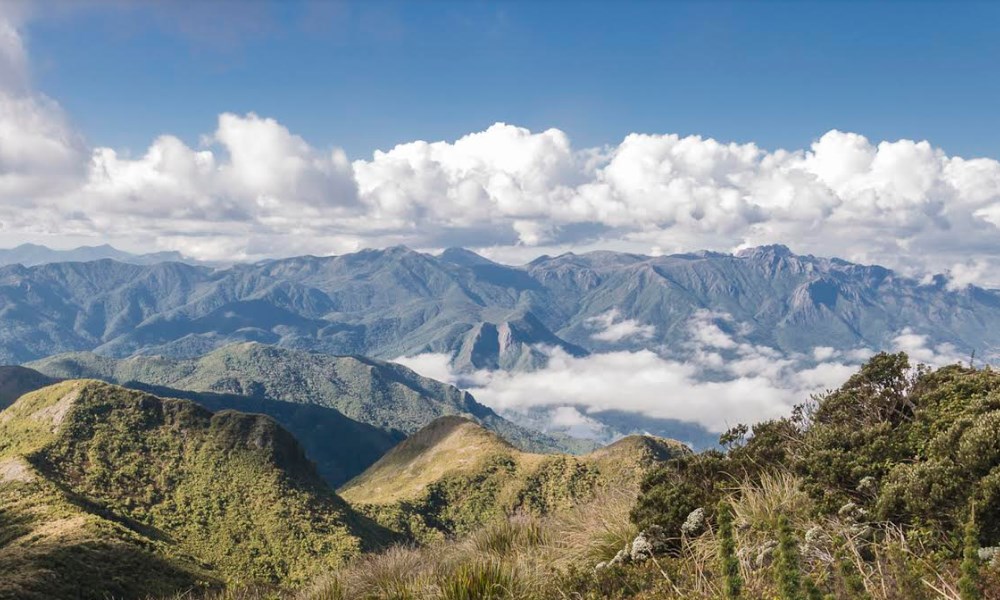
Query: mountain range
x=31 y=255
x=484 y=315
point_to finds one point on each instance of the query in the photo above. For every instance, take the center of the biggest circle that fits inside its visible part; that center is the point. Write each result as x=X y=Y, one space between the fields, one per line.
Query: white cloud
x=716 y=381
x=433 y=365
x=40 y=154
x=921 y=351
x=639 y=382
x=962 y=275
x=612 y=328
x=255 y=189
x=569 y=420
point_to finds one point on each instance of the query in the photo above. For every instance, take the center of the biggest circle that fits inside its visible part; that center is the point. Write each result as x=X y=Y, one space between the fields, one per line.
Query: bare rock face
x=15 y=469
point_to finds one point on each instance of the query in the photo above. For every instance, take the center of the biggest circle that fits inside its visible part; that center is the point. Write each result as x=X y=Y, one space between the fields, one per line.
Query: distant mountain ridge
x=31 y=255
x=397 y=302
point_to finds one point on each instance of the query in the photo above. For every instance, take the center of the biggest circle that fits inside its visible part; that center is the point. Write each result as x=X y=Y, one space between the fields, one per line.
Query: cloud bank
x=715 y=380
x=252 y=188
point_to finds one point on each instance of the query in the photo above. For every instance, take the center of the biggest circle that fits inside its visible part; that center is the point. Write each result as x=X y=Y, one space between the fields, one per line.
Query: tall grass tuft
x=775 y=494
x=506 y=536
x=592 y=532
x=480 y=580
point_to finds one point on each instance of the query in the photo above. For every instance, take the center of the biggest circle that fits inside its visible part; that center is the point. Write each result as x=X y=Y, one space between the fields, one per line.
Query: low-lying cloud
x=611 y=327
x=716 y=380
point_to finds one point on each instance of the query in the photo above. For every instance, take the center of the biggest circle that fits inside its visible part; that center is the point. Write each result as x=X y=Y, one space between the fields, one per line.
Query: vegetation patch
x=159 y=495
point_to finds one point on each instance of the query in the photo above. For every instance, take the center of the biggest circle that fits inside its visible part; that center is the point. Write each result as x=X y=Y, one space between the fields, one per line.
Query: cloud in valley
x=611 y=327
x=716 y=380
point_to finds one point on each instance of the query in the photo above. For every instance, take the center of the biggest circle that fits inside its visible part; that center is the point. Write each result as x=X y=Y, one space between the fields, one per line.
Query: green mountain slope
x=340 y=447
x=17 y=381
x=385 y=395
x=108 y=491
x=454 y=475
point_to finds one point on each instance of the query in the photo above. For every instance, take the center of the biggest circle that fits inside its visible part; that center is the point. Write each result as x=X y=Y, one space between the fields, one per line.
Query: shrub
x=787 y=566
x=728 y=562
x=968 y=585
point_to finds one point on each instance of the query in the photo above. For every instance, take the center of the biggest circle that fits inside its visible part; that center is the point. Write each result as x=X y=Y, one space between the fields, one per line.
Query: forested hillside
x=397 y=302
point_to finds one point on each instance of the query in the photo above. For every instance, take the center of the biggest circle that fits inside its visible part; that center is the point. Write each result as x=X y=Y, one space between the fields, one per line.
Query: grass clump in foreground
x=523 y=557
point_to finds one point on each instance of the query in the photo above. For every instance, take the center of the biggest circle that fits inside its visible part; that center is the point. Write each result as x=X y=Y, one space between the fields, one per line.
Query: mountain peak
x=463 y=257
x=92 y=432
x=447 y=445
x=767 y=251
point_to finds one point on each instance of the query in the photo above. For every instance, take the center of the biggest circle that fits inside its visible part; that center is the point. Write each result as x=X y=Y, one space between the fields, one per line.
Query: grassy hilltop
x=454 y=475
x=106 y=491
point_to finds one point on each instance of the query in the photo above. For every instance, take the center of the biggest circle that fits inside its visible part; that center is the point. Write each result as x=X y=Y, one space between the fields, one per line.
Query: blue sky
x=369 y=75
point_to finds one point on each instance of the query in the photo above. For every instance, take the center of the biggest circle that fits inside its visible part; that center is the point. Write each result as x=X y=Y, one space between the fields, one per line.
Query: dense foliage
x=906 y=448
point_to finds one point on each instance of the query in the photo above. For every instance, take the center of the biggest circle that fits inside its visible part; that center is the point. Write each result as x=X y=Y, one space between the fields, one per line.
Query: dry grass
x=760 y=503
x=513 y=559
x=528 y=558
x=448 y=446
x=592 y=532
x=877 y=562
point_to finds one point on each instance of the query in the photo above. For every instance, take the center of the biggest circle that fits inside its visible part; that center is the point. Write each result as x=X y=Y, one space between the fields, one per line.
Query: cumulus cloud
x=920 y=350
x=40 y=154
x=253 y=189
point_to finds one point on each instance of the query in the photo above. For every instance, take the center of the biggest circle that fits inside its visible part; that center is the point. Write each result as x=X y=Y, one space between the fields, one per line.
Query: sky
x=226 y=129
x=370 y=75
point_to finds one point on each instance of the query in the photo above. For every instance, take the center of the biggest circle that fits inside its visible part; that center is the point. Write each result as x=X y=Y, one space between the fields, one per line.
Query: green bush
x=728 y=562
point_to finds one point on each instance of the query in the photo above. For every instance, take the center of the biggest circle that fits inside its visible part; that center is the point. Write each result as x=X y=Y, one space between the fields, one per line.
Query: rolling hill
x=107 y=492
x=310 y=394
x=454 y=475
